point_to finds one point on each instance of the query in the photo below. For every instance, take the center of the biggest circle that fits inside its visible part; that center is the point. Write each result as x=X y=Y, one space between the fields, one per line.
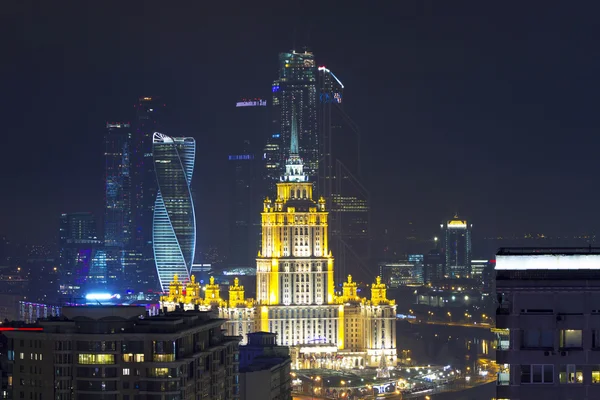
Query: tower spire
x=294 y=168
x=294 y=138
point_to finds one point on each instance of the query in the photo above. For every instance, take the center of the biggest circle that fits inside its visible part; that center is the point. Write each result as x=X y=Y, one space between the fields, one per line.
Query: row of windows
x=567 y=338
x=568 y=374
x=32 y=356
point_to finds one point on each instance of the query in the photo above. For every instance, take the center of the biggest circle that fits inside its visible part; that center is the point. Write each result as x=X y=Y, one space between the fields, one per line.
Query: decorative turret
x=213 y=292
x=192 y=291
x=349 y=292
x=175 y=294
x=379 y=293
x=267 y=205
x=236 y=294
x=321 y=203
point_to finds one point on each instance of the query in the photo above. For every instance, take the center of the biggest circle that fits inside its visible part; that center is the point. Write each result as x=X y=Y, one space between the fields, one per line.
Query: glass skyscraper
x=150 y=115
x=296 y=88
x=117 y=183
x=78 y=243
x=457 y=247
x=174 y=223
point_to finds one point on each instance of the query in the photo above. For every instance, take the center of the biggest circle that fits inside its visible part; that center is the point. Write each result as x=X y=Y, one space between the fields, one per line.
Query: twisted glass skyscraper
x=174 y=223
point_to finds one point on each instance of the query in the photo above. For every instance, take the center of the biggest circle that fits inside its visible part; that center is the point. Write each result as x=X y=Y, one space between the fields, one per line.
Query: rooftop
x=524 y=251
x=548 y=259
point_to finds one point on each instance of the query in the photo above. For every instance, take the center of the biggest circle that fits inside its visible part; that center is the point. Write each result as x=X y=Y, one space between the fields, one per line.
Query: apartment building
x=117 y=352
x=548 y=321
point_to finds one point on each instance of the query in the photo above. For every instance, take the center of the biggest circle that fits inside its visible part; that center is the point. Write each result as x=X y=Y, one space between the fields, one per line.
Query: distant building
x=150 y=118
x=433 y=266
x=483 y=272
x=115 y=352
x=548 y=323
x=117 y=185
x=78 y=246
x=401 y=273
x=118 y=191
x=295 y=90
x=246 y=201
x=457 y=247
x=347 y=199
x=264 y=368
x=174 y=224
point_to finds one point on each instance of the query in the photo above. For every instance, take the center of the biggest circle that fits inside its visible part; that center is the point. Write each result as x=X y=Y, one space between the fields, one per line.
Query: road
x=482 y=325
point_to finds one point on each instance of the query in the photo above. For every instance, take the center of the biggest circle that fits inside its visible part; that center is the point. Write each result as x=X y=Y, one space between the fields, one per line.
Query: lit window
x=571 y=373
x=125 y=371
x=22 y=356
x=570 y=338
x=596 y=374
x=96 y=358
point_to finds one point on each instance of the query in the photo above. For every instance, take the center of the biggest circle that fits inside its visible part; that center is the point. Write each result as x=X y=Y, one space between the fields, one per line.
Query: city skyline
x=438 y=113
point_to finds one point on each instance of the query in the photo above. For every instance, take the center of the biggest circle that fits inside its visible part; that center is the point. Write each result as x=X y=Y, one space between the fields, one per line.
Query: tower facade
x=117 y=184
x=348 y=201
x=78 y=243
x=118 y=222
x=174 y=223
x=245 y=203
x=457 y=247
x=296 y=89
x=149 y=119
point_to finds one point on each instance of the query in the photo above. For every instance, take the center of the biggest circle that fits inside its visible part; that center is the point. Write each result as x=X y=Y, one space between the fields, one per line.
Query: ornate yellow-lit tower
x=295 y=289
x=294 y=268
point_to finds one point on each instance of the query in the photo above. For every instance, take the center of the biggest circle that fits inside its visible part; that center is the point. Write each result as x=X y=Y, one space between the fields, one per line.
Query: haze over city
x=470 y=107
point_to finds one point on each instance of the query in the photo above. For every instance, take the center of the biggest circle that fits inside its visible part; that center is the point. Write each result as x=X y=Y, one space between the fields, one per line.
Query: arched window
x=304 y=193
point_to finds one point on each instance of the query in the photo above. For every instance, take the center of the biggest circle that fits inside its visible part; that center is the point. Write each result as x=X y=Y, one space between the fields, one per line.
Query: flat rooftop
x=524 y=251
x=548 y=259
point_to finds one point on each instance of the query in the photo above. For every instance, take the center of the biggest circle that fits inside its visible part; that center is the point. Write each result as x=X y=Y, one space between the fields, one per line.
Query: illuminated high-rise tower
x=296 y=88
x=174 y=223
x=117 y=184
x=457 y=247
x=149 y=119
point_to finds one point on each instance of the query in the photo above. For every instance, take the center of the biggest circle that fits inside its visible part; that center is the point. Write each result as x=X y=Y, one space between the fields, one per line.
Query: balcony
x=503 y=379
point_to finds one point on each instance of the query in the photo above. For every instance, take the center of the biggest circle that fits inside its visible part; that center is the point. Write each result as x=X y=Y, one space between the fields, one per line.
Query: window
x=596 y=374
x=595 y=339
x=570 y=338
x=571 y=373
x=133 y=357
x=22 y=356
x=125 y=371
x=536 y=338
x=96 y=358
x=537 y=373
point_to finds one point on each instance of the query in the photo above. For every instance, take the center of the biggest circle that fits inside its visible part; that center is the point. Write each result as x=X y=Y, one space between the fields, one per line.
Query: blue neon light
x=275 y=88
x=241 y=157
x=276 y=135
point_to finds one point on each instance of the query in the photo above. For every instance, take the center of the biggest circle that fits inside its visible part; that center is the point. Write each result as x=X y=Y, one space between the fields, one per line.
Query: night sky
x=491 y=111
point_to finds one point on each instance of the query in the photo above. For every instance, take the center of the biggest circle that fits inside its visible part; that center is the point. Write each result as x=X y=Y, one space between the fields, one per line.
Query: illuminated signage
x=548 y=262
x=117 y=125
x=275 y=88
x=101 y=296
x=4 y=328
x=241 y=157
x=253 y=103
x=330 y=98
